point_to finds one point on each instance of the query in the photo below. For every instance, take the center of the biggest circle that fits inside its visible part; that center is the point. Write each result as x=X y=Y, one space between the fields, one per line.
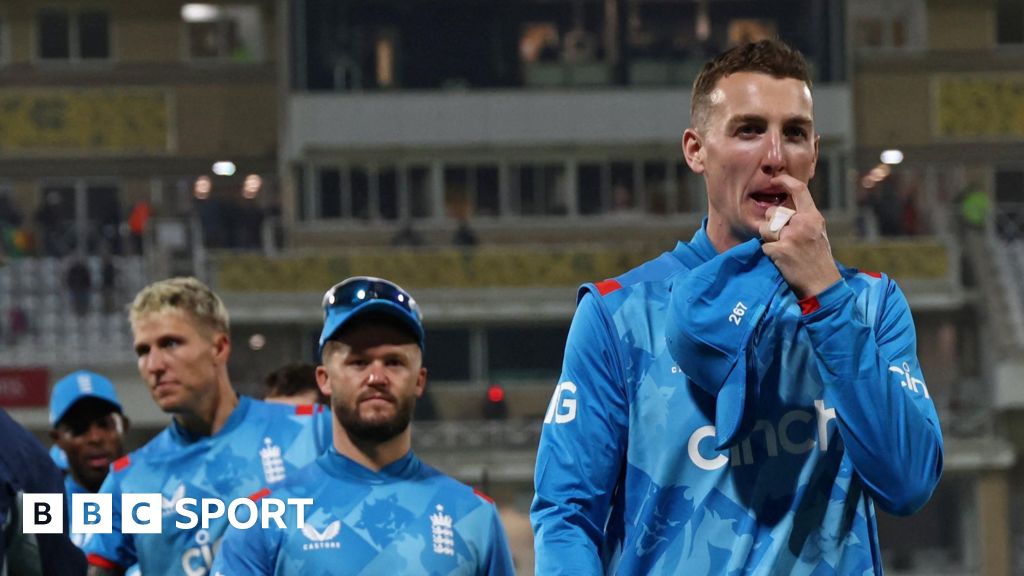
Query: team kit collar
x=341 y=466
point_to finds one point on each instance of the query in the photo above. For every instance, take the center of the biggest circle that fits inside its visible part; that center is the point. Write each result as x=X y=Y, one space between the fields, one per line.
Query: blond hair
x=185 y=295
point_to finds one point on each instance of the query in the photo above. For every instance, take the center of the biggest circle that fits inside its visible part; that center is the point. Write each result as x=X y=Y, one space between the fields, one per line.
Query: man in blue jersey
x=218 y=446
x=88 y=427
x=377 y=509
x=741 y=403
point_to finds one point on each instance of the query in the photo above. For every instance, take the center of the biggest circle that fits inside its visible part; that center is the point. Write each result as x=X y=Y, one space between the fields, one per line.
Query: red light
x=495 y=394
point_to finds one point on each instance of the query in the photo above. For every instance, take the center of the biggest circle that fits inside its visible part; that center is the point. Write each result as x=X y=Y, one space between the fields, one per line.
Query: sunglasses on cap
x=356 y=291
x=361 y=295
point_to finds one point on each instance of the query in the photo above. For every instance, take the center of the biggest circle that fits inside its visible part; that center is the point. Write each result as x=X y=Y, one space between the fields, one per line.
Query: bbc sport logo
x=143 y=513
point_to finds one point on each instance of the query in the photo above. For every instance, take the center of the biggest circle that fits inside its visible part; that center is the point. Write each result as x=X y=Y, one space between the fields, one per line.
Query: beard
x=377 y=430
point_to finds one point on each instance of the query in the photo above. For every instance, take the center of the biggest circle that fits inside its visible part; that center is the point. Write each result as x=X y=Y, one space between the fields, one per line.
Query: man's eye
x=796 y=133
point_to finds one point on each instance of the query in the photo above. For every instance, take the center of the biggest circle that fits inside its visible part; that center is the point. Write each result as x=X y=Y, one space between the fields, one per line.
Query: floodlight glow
x=892 y=157
x=224 y=168
x=199 y=13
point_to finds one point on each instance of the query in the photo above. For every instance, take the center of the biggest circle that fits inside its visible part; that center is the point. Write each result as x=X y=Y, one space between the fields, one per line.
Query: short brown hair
x=772 y=57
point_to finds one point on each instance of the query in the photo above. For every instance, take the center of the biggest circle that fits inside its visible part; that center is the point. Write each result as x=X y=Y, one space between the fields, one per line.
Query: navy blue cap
x=76 y=386
x=713 y=315
x=361 y=295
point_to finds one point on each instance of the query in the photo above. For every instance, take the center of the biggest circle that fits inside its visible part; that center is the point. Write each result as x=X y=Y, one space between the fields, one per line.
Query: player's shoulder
x=653 y=275
x=453 y=488
x=160 y=447
x=867 y=282
x=263 y=409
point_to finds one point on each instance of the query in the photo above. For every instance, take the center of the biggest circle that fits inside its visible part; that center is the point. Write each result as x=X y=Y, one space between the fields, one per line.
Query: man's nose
x=773 y=161
x=375 y=375
x=153 y=362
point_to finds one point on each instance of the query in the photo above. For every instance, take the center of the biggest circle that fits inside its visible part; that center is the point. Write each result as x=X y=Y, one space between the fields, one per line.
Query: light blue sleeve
x=499 y=556
x=245 y=553
x=115 y=547
x=582 y=448
x=872 y=377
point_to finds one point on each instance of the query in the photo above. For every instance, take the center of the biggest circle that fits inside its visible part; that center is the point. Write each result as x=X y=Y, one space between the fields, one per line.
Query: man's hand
x=800 y=249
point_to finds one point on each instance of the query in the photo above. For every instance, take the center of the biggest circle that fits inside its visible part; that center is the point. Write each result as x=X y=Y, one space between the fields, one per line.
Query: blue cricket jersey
x=406 y=519
x=261 y=443
x=628 y=478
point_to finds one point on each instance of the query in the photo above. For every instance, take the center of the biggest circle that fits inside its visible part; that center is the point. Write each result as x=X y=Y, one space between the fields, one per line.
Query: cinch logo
x=322 y=540
x=567 y=411
x=196 y=561
x=794 y=434
x=909 y=381
x=142 y=513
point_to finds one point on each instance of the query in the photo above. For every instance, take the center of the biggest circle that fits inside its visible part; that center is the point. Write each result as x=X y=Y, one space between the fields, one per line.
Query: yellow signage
x=980 y=107
x=84 y=121
x=510 y=266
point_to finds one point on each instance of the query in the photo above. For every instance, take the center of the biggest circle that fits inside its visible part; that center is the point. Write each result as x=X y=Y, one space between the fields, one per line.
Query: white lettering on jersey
x=786 y=435
x=321 y=540
x=555 y=412
x=441 y=532
x=909 y=381
x=197 y=561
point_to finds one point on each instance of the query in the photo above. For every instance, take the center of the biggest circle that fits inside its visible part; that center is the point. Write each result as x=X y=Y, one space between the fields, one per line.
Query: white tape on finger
x=780 y=218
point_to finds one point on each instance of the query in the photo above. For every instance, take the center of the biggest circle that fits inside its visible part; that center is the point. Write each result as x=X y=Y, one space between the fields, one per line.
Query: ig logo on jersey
x=562 y=408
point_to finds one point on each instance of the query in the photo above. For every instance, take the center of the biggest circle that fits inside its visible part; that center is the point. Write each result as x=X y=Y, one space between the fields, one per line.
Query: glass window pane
x=456 y=191
x=525 y=353
x=1010 y=21
x=387 y=193
x=689 y=190
x=420 y=201
x=588 y=180
x=330 y=192
x=360 y=193
x=623 y=187
x=487 y=203
x=529 y=193
x=243 y=33
x=447 y=354
x=656 y=186
x=555 y=191
x=54 y=34
x=204 y=39
x=93 y=35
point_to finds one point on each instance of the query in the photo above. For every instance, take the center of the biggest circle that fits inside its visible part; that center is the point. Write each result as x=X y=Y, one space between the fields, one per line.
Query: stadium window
x=486 y=197
x=360 y=188
x=525 y=352
x=456 y=191
x=590 y=189
x=624 y=192
x=889 y=24
x=1010 y=21
x=66 y=35
x=387 y=193
x=421 y=204
x=329 y=193
x=538 y=190
x=4 y=49
x=224 y=33
x=448 y=354
x=657 y=187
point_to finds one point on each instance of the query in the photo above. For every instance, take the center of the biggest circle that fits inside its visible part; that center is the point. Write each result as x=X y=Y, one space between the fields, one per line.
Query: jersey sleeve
x=872 y=377
x=113 y=549
x=498 y=561
x=582 y=448
x=244 y=553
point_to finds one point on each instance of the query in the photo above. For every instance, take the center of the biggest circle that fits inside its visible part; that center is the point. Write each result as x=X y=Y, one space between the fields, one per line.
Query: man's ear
x=221 y=347
x=693 y=150
x=421 y=382
x=321 y=380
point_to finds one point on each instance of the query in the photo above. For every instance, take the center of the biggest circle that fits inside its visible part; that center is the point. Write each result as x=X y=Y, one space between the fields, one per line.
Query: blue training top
x=628 y=479
x=406 y=519
x=260 y=443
